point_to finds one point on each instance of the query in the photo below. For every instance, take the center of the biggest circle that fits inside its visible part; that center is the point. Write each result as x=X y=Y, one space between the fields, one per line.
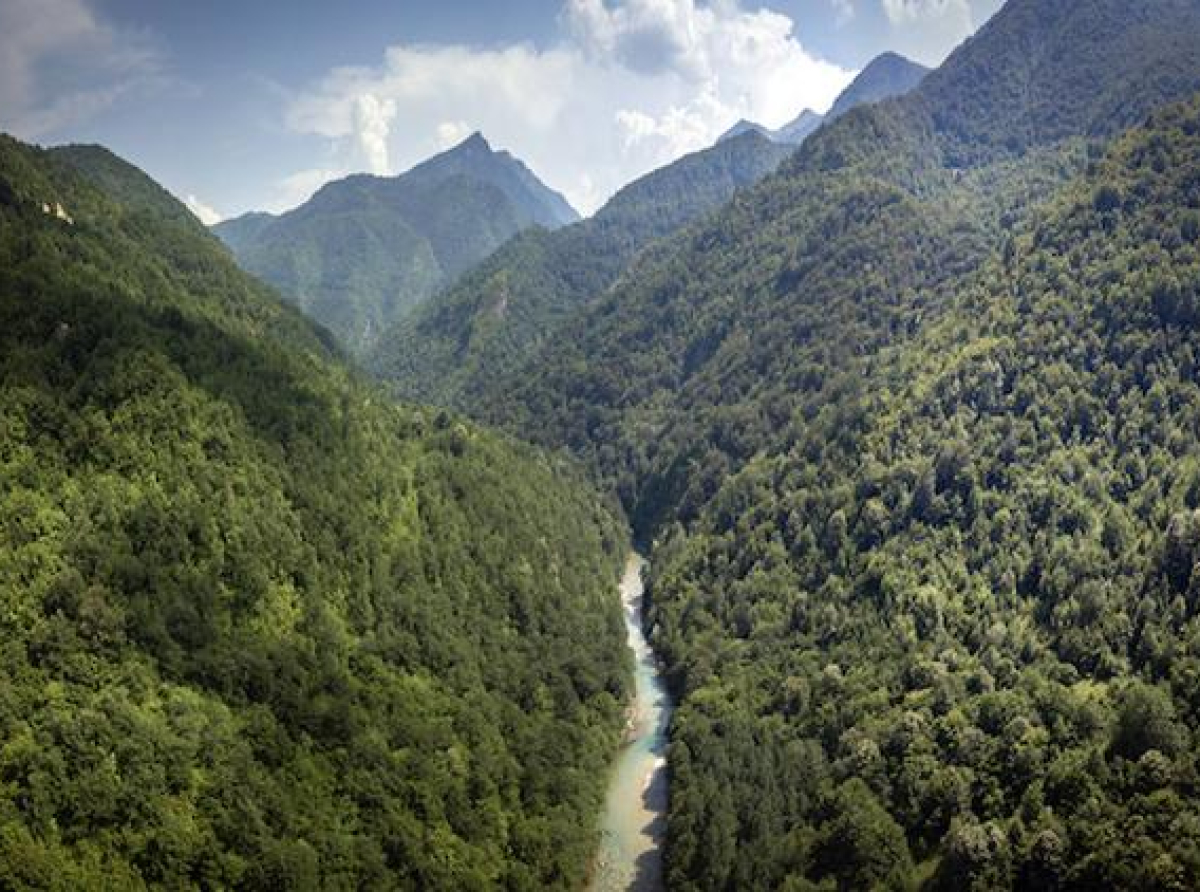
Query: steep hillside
x=262 y=630
x=452 y=350
x=241 y=232
x=950 y=619
x=364 y=249
x=886 y=76
x=904 y=611
x=737 y=321
x=490 y=320
x=1057 y=68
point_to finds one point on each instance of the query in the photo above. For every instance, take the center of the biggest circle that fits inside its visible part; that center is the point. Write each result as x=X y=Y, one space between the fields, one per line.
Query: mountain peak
x=475 y=142
x=744 y=126
x=374 y=246
x=888 y=74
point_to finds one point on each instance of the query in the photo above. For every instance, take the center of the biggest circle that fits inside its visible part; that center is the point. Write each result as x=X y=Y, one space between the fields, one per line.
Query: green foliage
x=1052 y=69
x=862 y=846
x=364 y=249
x=968 y=579
x=260 y=628
x=451 y=348
x=912 y=425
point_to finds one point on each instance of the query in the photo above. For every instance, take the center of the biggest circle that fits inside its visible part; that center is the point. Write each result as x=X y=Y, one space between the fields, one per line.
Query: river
x=635 y=812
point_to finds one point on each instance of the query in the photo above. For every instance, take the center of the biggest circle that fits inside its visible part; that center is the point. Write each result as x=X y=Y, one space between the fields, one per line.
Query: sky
x=239 y=105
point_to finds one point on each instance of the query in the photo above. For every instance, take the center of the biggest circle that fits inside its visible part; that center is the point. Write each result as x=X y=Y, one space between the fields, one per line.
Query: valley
x=819 y=511
x=633 y=827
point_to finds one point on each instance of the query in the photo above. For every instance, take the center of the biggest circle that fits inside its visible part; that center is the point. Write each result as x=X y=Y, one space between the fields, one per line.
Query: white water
x=635 y=814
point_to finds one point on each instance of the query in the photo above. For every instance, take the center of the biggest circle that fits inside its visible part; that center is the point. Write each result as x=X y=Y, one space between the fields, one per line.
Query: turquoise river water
x=635 y=813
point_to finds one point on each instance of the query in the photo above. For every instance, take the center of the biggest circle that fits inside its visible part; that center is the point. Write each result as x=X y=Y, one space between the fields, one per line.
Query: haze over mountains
x=462 y=339
x=510 y=303
x=365 y=248
x=885 y=76
x=792 y=133
x=907 y=419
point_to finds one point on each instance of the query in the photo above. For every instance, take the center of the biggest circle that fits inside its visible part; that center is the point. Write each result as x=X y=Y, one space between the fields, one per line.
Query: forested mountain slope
x=261 y=629
x=364 y=249
x=451 y=350
x=510 y=303
x=918 y=453
x=886 y=76
x=945 y=630
x=693 y=360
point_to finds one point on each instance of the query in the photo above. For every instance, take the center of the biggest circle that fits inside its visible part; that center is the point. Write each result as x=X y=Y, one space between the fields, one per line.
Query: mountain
x=262 y=628
x=885 y=76
x=492 y=318
x=792 y=133
x=910 y=425
x=453 y=348
x=364 y=249
x=743 y=127
x=799 y=130
x=241 y=232
x=1057 y=69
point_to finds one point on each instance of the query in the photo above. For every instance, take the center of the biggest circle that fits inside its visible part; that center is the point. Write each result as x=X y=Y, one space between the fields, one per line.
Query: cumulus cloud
x=901 y=11
x=203 y=212
x=650 y=36
x=631 y=85
x=372 y=123
x=296 y=188
x=61 y=43
x=451 y=133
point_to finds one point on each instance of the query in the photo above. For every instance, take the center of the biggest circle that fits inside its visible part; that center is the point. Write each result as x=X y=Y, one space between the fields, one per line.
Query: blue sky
x=252 y=105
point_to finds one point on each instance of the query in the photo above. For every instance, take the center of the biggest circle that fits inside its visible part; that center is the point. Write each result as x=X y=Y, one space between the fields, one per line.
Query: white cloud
x=451 y=133
x=678 y=130
x=62 y=43
x=203 y=212
x=903 y=11
x=845 y=11
x=298 y=187
x=631 y=85
x=372 y=123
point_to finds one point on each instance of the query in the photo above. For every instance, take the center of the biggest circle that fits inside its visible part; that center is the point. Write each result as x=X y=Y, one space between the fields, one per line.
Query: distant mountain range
x=459 y=341
x=514 y=299
x=793 y=133
x=885 y=76
x=365 y=248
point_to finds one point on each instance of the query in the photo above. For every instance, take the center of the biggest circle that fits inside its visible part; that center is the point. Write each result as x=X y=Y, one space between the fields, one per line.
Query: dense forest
x=907 y=419
x=911 y=427
x=261 y=628
x=364 y=249
x=948 y=623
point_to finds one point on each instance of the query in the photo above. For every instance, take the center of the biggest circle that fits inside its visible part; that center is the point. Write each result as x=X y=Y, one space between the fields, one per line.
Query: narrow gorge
x=635 y=812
